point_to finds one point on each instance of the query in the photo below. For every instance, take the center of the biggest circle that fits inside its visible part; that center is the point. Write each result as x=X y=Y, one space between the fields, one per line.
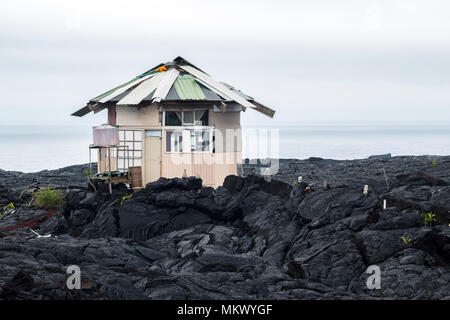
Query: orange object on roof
x=160 y=69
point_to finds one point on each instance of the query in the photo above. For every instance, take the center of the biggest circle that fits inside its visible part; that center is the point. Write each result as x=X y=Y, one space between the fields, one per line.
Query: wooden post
x=109 y=169
x=128 y=157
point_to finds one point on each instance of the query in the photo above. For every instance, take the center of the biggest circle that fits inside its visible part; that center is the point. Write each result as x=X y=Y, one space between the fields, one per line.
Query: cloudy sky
x=312 y=61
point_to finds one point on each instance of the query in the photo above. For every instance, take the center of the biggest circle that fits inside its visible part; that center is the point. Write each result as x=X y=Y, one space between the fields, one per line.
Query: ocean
x=35 y=148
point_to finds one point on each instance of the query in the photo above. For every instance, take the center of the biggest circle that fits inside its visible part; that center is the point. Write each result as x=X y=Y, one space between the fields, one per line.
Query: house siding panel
x=138 y=117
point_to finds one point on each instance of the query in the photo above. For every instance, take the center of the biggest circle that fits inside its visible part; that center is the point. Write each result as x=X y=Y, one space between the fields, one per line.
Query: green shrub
x=87 y=173
x=429 y=218
x=433 y=163
x=49 y=198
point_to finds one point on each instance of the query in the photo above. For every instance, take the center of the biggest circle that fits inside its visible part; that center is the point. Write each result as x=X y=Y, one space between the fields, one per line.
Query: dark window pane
x=201 y=117
x=173 y=118
x=188 y=118
x=168 y=138
x=204 y=118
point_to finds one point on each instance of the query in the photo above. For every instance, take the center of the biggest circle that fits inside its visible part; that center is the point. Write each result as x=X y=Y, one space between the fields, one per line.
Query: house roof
x=176 y=80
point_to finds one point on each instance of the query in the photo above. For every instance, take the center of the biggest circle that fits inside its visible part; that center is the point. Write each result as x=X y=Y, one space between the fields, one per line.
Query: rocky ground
x=252 y=238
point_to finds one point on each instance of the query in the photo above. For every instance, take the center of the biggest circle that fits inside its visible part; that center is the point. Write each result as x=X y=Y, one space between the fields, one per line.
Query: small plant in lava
x=9 y=205
x=406 y=240
x=429 y=218
x=125 y=198
x=433 y=163
x=87 y=173
x=49 y=198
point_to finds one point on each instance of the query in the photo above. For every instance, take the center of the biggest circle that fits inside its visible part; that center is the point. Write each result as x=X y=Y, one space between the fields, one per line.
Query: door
x=152 y=155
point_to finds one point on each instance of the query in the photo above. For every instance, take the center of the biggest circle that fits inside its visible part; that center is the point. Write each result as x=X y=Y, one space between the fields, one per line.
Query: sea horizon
x=32 y=148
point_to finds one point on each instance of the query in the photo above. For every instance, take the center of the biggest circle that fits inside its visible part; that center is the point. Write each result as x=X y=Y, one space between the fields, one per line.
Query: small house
x=173 y=120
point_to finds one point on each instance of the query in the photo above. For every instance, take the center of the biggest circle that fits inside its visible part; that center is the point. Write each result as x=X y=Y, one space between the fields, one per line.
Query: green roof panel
x=187 y=88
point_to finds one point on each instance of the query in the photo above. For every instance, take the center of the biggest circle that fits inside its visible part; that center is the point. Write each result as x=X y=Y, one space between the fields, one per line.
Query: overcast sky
x=312 y=61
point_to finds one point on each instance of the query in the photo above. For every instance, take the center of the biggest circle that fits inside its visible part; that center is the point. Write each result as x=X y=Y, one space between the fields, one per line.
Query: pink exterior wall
x=211 y=167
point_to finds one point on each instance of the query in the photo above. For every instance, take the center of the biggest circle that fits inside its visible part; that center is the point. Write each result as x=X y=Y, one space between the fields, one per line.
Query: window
x=133 y=140
x=200 y=140
x=186 y=118
x=189 y=140
x=174 y=141
x=173 y=118
x=201 y=117
x=153 y=133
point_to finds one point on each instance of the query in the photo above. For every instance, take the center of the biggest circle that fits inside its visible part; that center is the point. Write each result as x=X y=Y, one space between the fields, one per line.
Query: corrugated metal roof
x=150 y=96
x=172 y=95
x=112 y=90
x=218 y=86
x=231 y=107
x=215 y=91
x=165 y=84
x=82 y=112
x=142 y=90
x=122 y=88
x=187 y=88
x=239 y=92
x=120 y=96
x=209 y=94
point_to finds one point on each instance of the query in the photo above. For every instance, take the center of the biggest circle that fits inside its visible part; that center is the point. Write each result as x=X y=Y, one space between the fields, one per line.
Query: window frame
x=165 y=140
x=182 y=118
x=186 y=132
x=210 y=139
x=131 y=151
